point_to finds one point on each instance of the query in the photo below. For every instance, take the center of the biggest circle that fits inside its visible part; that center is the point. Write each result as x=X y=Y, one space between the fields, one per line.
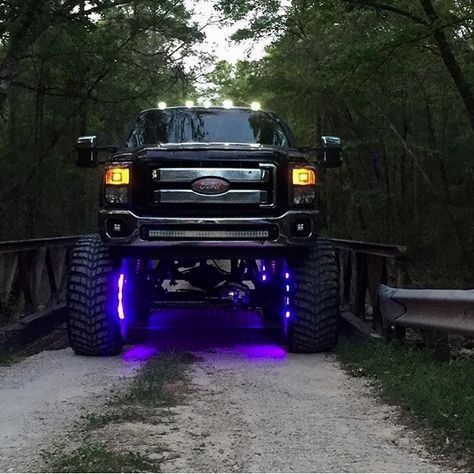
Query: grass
x=439 y=394
x=97 y=457
x=8 y=358
x=159 y=384
x=122 y=414
x=154 y=386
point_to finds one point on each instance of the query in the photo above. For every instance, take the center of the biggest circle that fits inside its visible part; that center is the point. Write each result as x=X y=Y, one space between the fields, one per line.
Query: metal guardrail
x=441 y=311
x=366 y=270
x=32 y=276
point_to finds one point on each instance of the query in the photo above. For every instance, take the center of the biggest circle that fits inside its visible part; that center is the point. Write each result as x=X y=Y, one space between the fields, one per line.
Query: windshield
x=206 y=126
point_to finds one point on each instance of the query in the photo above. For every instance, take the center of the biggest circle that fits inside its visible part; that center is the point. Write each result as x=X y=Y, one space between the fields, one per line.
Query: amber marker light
x=117 y=176
x=304 y=176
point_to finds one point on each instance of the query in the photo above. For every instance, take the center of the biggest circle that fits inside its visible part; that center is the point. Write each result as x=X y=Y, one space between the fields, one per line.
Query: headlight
x=303 y=176
x=117 y=176
x=303 y=180
x=117 y=194
x=117 y=181
x=303 y=196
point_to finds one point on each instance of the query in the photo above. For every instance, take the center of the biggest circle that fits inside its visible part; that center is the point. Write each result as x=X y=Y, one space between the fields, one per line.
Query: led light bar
x=208 y=234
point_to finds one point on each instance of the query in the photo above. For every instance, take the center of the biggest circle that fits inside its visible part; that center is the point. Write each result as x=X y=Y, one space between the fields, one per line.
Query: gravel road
x=252 y=407
x=42 y=396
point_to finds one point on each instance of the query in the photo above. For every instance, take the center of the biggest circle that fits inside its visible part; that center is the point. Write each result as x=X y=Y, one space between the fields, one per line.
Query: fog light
x=302 y=228
x=117 y=194
x=116 y=227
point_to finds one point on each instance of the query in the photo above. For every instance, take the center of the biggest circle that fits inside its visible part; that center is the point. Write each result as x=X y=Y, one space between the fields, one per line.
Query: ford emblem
x=210 y=186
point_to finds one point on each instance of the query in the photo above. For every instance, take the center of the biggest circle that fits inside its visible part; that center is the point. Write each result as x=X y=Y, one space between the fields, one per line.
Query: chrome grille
x=249 y=186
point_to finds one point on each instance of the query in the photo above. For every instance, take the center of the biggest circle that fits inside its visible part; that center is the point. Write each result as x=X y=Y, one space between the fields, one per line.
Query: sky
x=218 y=35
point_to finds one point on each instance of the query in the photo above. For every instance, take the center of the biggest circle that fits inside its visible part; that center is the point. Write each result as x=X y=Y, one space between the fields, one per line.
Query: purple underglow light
x=288 y=314
x=120 y=311
x=287 y=276
x=287 y=288
x=264 y=269
x=140 y=353
x=263 y=352
x=264 y=277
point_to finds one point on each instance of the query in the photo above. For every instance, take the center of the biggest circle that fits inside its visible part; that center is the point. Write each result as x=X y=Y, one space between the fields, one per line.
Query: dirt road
x=252 y=407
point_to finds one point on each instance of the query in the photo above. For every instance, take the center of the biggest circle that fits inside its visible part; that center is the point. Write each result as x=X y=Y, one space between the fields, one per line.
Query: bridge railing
x=363 y=267
x=33 y=276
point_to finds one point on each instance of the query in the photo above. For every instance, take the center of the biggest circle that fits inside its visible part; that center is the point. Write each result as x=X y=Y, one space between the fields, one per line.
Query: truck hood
x=215 y=150
x=213 y=146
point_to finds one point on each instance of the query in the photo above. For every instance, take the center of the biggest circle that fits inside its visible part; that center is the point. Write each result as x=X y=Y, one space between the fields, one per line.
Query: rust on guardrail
x=443 y=311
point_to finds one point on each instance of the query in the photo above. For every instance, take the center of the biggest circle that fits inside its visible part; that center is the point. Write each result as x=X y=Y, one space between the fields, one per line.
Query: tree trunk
x=465 y=89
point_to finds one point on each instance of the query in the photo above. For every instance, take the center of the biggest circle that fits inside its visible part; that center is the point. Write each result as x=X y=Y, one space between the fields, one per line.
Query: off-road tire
x=316 y=312
x=93 y=328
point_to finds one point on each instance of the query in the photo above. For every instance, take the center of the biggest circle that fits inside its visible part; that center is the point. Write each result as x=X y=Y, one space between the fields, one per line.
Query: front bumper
x=293 y=228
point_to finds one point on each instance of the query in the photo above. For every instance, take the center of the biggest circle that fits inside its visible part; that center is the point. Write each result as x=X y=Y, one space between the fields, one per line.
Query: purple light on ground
x=263 y=351
x=140 y=353
x=264 y=277
x=287 y=276
x=120 y=311
x=288 y=314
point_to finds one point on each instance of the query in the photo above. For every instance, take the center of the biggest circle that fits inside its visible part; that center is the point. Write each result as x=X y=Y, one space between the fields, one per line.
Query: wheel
x=93 y=301
x=312 y=310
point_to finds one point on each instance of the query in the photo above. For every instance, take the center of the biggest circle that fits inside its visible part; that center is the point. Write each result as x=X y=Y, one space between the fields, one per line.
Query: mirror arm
x=108 y=148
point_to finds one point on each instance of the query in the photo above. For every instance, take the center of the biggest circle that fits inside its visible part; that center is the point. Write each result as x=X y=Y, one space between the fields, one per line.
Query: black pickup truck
x=205 y=205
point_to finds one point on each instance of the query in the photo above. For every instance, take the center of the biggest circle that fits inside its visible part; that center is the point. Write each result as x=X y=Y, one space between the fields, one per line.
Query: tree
x=70 y=68
x=376 y=77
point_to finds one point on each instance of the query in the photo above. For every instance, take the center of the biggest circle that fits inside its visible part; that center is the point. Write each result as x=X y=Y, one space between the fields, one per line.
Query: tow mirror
x=87 y=152
x=329 y=155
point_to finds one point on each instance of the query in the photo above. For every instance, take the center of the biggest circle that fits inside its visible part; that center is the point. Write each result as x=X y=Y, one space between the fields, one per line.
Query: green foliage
x=153 y=386
x=64 y=72
x=440 y=393
x=375 y=77
x=97 y=457
x=8 y=358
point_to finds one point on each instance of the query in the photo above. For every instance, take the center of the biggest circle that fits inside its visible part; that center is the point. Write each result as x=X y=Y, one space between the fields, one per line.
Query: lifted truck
x=192 y=185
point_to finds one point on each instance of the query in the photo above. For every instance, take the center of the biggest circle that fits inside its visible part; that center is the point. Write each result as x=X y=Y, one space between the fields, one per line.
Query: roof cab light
x=304 y=177
x=228 y=104
x=117 y=176
x=162 y=105
x=255 y=106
